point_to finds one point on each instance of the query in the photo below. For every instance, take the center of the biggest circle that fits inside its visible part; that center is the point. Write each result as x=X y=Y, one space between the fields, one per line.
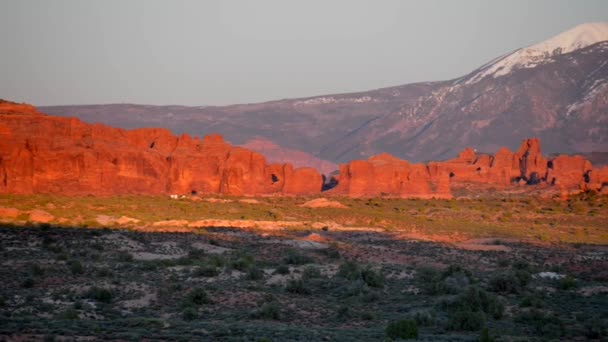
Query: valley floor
x=292 y=269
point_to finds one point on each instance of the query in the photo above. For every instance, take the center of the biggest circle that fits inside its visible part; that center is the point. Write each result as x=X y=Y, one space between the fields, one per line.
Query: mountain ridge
x=563 y=100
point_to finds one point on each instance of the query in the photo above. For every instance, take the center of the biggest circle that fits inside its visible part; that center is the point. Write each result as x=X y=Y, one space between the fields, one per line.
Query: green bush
x=99 y=294
x=567 y=283
x=297 y=286
x=206 y=271
x=76 y=267
x=293 y=257
x=485 y=336
x=311 y=272
x=242 y=262
x=255 y=273
x=352 y=271
x=282 y=269
x=466 y=320
x=27 y=283
x=197 y=297
x=510 y=282
x=70 y=314
x=450 y=281
x=124 y=256
x=402 y=329
x=269 y=310
x=548 y=325
x=595 y=328
x=468 y=310
x=189 y=314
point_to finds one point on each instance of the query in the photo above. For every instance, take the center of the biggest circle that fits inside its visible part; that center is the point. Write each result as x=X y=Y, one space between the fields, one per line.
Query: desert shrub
x=332 y=252
x=485 y=336
x=567 y=283
x=69 y=313
x=473 y=300
x=450 y=281
x=76 y=267
x=216 y=260
x=207 y=271
x=143 y=322
x=255 y=273
x=104 y=272
x=124 y=256
x=242 y=262
x=99 y=294
x=197 y=297
x=36 y=270
x=509 y=282
x=343 y=313
x=189 y=314
x=402 y=329
x=282 y=269
x=352 y=271
x=424 y=318
x=297 y=286
x=466 y=320
x=196 y=254
x=27 y=283
x=349 y=270
x=547 y=325
x=269 y=310
x=293 y=257
x=311 y=272
x=532 y=300
x=595 y=328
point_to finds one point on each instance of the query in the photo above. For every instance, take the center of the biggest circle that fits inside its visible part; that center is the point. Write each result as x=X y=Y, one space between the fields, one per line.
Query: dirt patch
x=211 y=249
x=249 y=201
x=41 y=216
x=323 y=203
x=9 y=213
x=170 y=223
x=147 y=256
x=483 y=245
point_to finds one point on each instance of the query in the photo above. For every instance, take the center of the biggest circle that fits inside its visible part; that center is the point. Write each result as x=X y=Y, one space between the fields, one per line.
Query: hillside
x=555 y=90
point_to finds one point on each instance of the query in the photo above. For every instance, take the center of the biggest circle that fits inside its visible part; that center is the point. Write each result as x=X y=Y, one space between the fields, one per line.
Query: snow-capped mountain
x=556 y=90
x=574 y=39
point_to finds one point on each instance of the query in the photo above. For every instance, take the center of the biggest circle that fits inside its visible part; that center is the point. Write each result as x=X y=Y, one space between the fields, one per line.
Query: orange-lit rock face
x=568 y=171
x=386 y=175
x=526 y=166
x=43 y=154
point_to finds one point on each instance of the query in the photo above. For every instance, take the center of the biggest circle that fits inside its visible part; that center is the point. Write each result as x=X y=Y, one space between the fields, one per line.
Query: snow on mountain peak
x=576 y=38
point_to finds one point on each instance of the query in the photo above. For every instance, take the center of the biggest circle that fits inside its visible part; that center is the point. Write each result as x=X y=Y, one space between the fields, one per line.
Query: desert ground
x=132 y=268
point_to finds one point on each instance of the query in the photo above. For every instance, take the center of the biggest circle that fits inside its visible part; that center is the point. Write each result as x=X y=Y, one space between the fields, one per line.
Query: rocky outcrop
x=45 y=154
x=526 y=166
x=385 y=175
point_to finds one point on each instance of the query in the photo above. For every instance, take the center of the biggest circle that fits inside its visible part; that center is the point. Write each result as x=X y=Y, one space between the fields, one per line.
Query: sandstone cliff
x=45 y=154
x=385 y=175
x=526 y=166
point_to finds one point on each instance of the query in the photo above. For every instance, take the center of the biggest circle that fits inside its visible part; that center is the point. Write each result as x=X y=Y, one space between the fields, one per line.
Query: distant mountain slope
x=556 y=90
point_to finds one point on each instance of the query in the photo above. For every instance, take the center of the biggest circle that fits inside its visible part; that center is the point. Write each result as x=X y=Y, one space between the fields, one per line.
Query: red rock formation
x=385 y=175
x=44 y=154
x=532 y=165
x=598 y=179
x=568 y=171
x=526 y=166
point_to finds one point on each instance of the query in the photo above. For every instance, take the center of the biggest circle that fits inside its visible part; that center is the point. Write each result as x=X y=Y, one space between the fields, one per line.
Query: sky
x=221 y=52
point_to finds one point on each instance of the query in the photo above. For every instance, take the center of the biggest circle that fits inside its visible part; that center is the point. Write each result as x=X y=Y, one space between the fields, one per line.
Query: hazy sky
x=221 y=52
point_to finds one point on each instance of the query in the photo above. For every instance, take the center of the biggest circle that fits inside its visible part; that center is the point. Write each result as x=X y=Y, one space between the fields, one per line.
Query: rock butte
x=46 y=154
